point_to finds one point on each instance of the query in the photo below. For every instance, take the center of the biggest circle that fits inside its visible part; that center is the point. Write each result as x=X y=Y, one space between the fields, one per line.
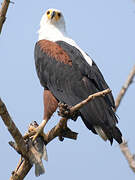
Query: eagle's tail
x=101 y=120
x=100 y=132
x=114 y=133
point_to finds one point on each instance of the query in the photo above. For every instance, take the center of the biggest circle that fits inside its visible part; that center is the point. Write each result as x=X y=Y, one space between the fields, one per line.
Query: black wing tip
x=117 y=135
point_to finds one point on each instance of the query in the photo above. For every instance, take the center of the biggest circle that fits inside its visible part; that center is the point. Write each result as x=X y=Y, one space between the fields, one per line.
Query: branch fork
x=60 y=130
x=28 y=153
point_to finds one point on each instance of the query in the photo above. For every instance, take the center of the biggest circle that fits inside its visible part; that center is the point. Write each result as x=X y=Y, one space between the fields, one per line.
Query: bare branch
x=130 y=158
x=60 y=130
x=21 y=171
x=124 y=146
x=3 y=12
x=14 y=131
x=27 y=150
x=91 y=97
x=125 y=87
x=14 y=145
x=21 y=146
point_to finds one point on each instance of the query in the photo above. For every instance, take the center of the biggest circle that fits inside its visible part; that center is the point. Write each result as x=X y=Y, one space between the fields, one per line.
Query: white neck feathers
x=58 y=33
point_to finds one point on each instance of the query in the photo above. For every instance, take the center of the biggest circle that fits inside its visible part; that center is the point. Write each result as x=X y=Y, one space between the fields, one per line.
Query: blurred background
x=106 y=31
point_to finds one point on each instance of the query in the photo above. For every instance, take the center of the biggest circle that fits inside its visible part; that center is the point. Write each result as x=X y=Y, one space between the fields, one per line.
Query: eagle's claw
x=64 y=111
x=38 y=129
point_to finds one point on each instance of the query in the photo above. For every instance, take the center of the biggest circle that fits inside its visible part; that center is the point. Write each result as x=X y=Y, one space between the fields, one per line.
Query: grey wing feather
x=45 y=156
x=39 y=169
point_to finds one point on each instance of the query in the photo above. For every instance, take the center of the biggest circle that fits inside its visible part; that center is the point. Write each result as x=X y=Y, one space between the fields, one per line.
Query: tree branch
x=3 y=12
x=126 y=152
x=125 y=87
x=124 y=146
x=14 y=131
x=22 y=170
x=21 y=146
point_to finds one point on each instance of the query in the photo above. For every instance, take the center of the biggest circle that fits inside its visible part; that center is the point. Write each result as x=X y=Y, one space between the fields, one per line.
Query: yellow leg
x=39 y=129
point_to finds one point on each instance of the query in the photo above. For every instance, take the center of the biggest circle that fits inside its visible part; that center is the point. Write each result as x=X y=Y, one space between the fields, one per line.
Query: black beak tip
x=53 y=14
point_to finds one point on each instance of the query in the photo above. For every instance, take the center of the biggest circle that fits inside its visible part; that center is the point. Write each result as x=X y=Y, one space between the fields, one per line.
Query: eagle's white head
x=52 y=25
x=52 y=28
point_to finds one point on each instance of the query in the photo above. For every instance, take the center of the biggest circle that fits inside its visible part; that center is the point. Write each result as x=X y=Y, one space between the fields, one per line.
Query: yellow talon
x=39 y=130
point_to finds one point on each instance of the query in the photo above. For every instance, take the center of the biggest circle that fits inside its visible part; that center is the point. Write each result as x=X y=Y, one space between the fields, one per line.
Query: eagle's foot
x=64 y=111
x=39 y=131
x=75 y=115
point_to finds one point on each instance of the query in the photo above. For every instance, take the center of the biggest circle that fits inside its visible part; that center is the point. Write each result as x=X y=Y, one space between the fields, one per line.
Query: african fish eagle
x=69 y=75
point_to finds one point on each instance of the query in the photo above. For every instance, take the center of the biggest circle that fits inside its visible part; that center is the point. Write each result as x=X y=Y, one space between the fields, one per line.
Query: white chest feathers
x=53 y=34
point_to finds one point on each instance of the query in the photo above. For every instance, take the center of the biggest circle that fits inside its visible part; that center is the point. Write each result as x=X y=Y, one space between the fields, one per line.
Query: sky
x=106 y=31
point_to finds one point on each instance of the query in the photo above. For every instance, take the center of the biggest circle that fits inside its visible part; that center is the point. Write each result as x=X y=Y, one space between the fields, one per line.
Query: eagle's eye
x=48 y=12
x=59 y=14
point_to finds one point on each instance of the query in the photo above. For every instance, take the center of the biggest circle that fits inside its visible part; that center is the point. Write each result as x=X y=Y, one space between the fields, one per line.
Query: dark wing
x=91 y=72
x=72 y=83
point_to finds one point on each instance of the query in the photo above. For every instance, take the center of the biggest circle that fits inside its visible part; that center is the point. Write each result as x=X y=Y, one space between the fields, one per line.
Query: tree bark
x=3 y=12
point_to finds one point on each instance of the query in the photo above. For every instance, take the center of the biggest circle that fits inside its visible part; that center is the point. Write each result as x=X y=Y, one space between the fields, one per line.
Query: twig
x=91 y=97
x=14 y=145
x=59 y=131
x=125 y=87
x=3 y=12
x=130 y=158
x=124 y=146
